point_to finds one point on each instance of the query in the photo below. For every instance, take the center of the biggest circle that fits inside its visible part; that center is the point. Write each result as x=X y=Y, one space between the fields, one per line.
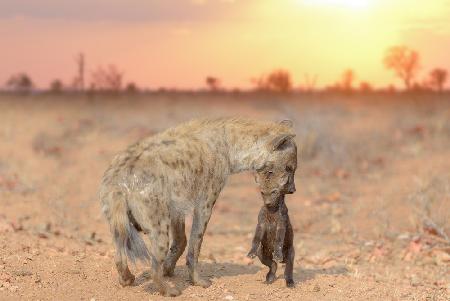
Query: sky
x=177 y=43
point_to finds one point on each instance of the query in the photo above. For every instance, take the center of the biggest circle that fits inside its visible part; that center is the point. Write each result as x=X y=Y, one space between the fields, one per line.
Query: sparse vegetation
x=438 y=78
x=20 y=82
x=348 y=77
x=56 y=86
x=107 y=79
x=276 y=81
x=213 y=83
x=131 y=88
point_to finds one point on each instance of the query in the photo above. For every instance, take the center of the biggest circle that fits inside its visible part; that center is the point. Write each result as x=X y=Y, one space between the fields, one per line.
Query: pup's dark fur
x=273 y=240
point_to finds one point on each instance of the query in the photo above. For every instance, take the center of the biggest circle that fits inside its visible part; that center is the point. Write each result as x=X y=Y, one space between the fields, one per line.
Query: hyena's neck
x=244 y=159
x=245 y=152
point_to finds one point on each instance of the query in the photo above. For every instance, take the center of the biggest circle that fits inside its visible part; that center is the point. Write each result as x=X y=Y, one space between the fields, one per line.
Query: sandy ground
x=370 y=214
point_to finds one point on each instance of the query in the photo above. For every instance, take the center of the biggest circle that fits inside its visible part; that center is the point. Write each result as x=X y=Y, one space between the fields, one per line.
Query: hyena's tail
x=126 y=237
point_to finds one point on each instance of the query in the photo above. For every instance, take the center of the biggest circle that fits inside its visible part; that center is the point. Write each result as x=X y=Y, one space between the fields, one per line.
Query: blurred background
x=365 y=83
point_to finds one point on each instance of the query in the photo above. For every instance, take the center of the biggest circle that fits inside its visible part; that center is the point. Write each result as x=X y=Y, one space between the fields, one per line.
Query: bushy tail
x=128 y=241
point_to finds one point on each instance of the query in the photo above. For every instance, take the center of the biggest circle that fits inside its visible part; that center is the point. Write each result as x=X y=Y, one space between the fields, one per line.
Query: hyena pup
x=152 y=185
x=273 y=240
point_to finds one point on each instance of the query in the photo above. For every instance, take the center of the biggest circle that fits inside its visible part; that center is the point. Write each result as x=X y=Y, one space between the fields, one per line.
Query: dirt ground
x=371 y=214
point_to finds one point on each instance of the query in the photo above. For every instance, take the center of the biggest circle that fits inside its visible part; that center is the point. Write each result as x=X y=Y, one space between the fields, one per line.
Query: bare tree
x=277 y=81
x=347 y=80
x=438 y=77
x=107 y=79
x=56 y=86
x=20 y=82
x=310 y=82
x=79 y=79
x=213 y=83
x=404 y=62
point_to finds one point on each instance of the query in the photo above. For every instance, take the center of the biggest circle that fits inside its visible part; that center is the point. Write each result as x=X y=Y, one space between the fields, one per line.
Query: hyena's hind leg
x=159 y=239
x=126 y=278
x=178 y=246
x=115 y=210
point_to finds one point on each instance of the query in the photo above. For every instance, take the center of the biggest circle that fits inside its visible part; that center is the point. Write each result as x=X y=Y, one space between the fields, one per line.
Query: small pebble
x=316 y=288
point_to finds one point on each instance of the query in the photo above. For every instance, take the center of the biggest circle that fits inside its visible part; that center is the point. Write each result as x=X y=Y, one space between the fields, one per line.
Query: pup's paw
x=278 y=256
x=251 y=254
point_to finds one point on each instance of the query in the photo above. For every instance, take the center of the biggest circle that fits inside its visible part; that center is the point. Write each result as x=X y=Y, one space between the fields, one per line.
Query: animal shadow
x=207 y=270
x=303 y=275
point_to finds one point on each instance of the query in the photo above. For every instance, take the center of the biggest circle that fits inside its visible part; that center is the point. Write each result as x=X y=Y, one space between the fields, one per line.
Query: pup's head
x=276 y=176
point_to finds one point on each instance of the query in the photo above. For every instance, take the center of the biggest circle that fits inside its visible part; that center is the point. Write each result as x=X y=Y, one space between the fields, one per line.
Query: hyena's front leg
x=199 y=223
x=178 y=245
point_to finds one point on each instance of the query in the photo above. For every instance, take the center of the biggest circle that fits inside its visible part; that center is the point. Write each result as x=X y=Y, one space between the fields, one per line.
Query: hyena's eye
x=269 y=173
x=289 y=169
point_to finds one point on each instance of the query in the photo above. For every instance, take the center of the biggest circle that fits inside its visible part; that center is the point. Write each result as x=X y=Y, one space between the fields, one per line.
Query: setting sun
x=355 y=4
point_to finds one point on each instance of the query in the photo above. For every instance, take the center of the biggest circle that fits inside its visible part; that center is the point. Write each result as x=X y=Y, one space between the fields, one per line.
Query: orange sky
x=177 y=43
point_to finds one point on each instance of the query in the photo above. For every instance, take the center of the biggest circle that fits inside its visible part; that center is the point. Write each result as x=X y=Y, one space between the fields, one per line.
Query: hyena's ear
x=287 y=123
x=282 y=141
x=257 y=180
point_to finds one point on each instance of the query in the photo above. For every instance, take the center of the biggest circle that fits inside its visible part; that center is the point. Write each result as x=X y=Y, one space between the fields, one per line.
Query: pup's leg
x=267 y=260
x=289 y=267
x=259 y=232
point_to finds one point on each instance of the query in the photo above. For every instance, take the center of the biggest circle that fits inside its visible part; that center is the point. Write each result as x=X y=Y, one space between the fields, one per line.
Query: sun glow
x=354 y=4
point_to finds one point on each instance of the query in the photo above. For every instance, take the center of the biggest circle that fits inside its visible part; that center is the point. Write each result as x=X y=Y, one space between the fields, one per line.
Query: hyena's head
x=276 y=176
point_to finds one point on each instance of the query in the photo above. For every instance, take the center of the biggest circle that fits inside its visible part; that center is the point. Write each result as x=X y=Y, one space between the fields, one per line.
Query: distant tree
x=404 y=62
x=107 y=79
x=276 y=81
x=78 y=82
x=347 y=80
x=310 y=82
x=213 y=83
x=56 y=86
x=437 y=79
x=391 y=89
x=365 y=87
x=420 y=86
x=131 y=88
x=20 y=82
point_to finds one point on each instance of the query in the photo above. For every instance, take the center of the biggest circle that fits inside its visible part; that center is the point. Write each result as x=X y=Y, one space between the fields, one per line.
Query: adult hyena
x=153 y=184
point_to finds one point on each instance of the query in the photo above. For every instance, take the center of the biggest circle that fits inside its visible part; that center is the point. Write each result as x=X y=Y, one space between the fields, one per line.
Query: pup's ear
x=282 y=181
x=287 y=123
x=282 y=141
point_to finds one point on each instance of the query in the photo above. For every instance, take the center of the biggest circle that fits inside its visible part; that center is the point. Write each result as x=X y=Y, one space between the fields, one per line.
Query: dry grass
x=371 y=201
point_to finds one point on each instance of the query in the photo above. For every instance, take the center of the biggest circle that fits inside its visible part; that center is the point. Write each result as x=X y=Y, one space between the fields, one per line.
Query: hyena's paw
x=202 y=282
x=278 y=256
x=168 y=270
x=170 y=292
x=127 y=281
